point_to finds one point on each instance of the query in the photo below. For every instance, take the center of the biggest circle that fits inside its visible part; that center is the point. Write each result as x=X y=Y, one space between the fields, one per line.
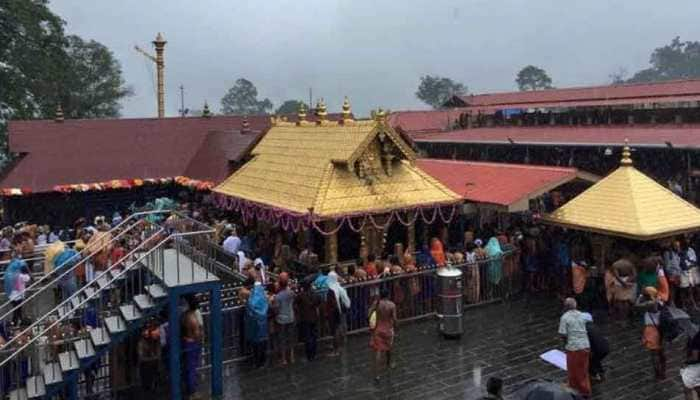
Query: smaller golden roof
x=629 y=204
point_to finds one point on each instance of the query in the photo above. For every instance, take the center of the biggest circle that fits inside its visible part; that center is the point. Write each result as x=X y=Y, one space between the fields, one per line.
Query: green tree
x=290 y=107
x=533 y=78
x=436 y=91
x=40 y=67
x=93 y=83
x=242 y=99
x=677 y=60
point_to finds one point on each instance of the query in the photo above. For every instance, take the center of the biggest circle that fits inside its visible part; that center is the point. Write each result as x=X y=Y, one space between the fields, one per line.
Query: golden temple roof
x=629 y=204
x=334 y=169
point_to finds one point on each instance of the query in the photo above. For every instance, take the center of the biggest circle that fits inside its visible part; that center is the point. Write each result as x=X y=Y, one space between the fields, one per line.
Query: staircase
x=112 y=307
x=134 y=225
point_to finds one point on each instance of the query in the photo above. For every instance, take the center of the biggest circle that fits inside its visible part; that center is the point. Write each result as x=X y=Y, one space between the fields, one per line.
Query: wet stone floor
x=501 y=340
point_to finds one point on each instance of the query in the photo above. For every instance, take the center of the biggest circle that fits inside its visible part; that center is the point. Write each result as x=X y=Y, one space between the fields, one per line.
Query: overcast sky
x=373 y=51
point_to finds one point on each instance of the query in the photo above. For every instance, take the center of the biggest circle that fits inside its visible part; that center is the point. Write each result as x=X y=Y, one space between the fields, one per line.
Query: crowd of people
x=283 y=304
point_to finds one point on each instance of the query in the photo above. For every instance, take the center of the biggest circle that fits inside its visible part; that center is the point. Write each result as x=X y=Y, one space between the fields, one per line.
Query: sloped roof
x=629 y=204
x=655 y=92
x=679 y=136
x=89 y=151
x=511 y=186
x=306 y=167
x=412 y=122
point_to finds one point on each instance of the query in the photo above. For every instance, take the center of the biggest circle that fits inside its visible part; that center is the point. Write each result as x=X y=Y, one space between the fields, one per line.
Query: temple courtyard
x=501 y=340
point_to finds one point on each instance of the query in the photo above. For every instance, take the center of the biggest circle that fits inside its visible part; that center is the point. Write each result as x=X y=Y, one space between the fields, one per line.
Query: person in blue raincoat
x=494 y=272
x=65 y=261
x=256 y=329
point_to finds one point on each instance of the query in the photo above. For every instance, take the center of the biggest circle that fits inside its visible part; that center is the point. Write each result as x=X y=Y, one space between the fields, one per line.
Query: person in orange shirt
x=437 y=252
x=371 y=266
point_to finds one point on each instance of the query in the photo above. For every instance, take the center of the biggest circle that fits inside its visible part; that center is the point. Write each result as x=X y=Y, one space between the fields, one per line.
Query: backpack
x=668 y=326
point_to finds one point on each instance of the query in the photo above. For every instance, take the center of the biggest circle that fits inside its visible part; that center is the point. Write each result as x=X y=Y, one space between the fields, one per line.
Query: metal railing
x=414 y=293
x=59 y=273
x=42 y=326
x=132 y=267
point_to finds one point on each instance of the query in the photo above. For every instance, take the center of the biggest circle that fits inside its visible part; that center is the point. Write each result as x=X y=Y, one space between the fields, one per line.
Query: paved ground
x=501 y=340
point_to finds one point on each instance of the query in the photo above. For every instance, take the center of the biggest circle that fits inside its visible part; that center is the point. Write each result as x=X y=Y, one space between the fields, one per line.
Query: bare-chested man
x=192 y=334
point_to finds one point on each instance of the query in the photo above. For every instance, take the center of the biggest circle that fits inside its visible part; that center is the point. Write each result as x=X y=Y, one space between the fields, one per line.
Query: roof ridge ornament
x=321 y=112
x=59 y=113
x=245 y=125
x=380 y=115
x=205 y=111
x=347 y=114
x=626 y=154
x=301 y=113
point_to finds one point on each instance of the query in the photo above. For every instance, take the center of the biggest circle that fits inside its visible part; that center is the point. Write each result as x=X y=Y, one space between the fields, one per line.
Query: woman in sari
x=437 y=252
x=256 y=329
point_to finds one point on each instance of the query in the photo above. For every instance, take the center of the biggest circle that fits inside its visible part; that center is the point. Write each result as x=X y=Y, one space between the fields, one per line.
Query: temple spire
x=205 y=111
x=321 y=112
x=347 y=113
x=626 y=155
x=59 y=113
x=301 y=113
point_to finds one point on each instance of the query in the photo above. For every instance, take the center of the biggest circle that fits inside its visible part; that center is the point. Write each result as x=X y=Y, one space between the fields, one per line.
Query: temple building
x=327 y=176
x=571 y=127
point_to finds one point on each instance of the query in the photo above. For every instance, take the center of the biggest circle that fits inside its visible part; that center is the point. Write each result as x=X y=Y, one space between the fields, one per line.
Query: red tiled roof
x=648 y=91
x=679 y=136
x=412 y=122
x=500 y=184
x=101 y=150
x=87 y=151
x=656 y=92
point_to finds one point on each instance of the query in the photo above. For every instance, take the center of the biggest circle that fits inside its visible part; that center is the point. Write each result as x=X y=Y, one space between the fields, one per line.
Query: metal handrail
x=114 y=278
x=79 y=292
x=74 y=267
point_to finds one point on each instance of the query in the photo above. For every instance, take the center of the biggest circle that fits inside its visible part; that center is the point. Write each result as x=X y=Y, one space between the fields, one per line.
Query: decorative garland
x=117 y=184
x=294 y=221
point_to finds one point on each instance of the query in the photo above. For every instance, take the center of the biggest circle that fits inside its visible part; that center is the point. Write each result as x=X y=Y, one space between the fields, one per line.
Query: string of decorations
x=116 y=184
x=294 y=221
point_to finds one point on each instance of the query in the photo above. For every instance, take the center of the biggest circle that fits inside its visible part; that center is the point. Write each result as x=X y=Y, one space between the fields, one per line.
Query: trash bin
x=450 y=302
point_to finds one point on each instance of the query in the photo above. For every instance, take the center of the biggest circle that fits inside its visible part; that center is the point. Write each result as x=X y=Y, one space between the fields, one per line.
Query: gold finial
x=379 y=115
x=346 y=110
x=321 y=111
x=246 y=125
x=626 y=154
x=59 y=113
x=159 y=42
x=301 y=113
x=205 y=111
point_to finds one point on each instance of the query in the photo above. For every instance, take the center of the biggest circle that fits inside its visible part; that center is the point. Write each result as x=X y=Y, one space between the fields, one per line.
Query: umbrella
x=545 y=390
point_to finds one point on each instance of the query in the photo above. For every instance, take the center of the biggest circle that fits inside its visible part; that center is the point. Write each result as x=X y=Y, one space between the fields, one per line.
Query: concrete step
x=52 y=374
x=103 y=281
x=156 y=291
x=84 y=349
x=115 y=324
x=68 y=361
x=130 y=312
x=35 y=387
x=143 y=302
x=99 y=337
x=19 y=394
x=89 y=291
x=75 y=301
x=65 y=310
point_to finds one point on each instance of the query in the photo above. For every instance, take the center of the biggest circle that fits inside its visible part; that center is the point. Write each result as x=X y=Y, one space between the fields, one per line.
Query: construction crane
x=159 y=44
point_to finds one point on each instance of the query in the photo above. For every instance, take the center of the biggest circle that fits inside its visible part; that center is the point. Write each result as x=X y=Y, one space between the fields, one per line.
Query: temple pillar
x=331 y=242
x=364 y=249
x=411 y=233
